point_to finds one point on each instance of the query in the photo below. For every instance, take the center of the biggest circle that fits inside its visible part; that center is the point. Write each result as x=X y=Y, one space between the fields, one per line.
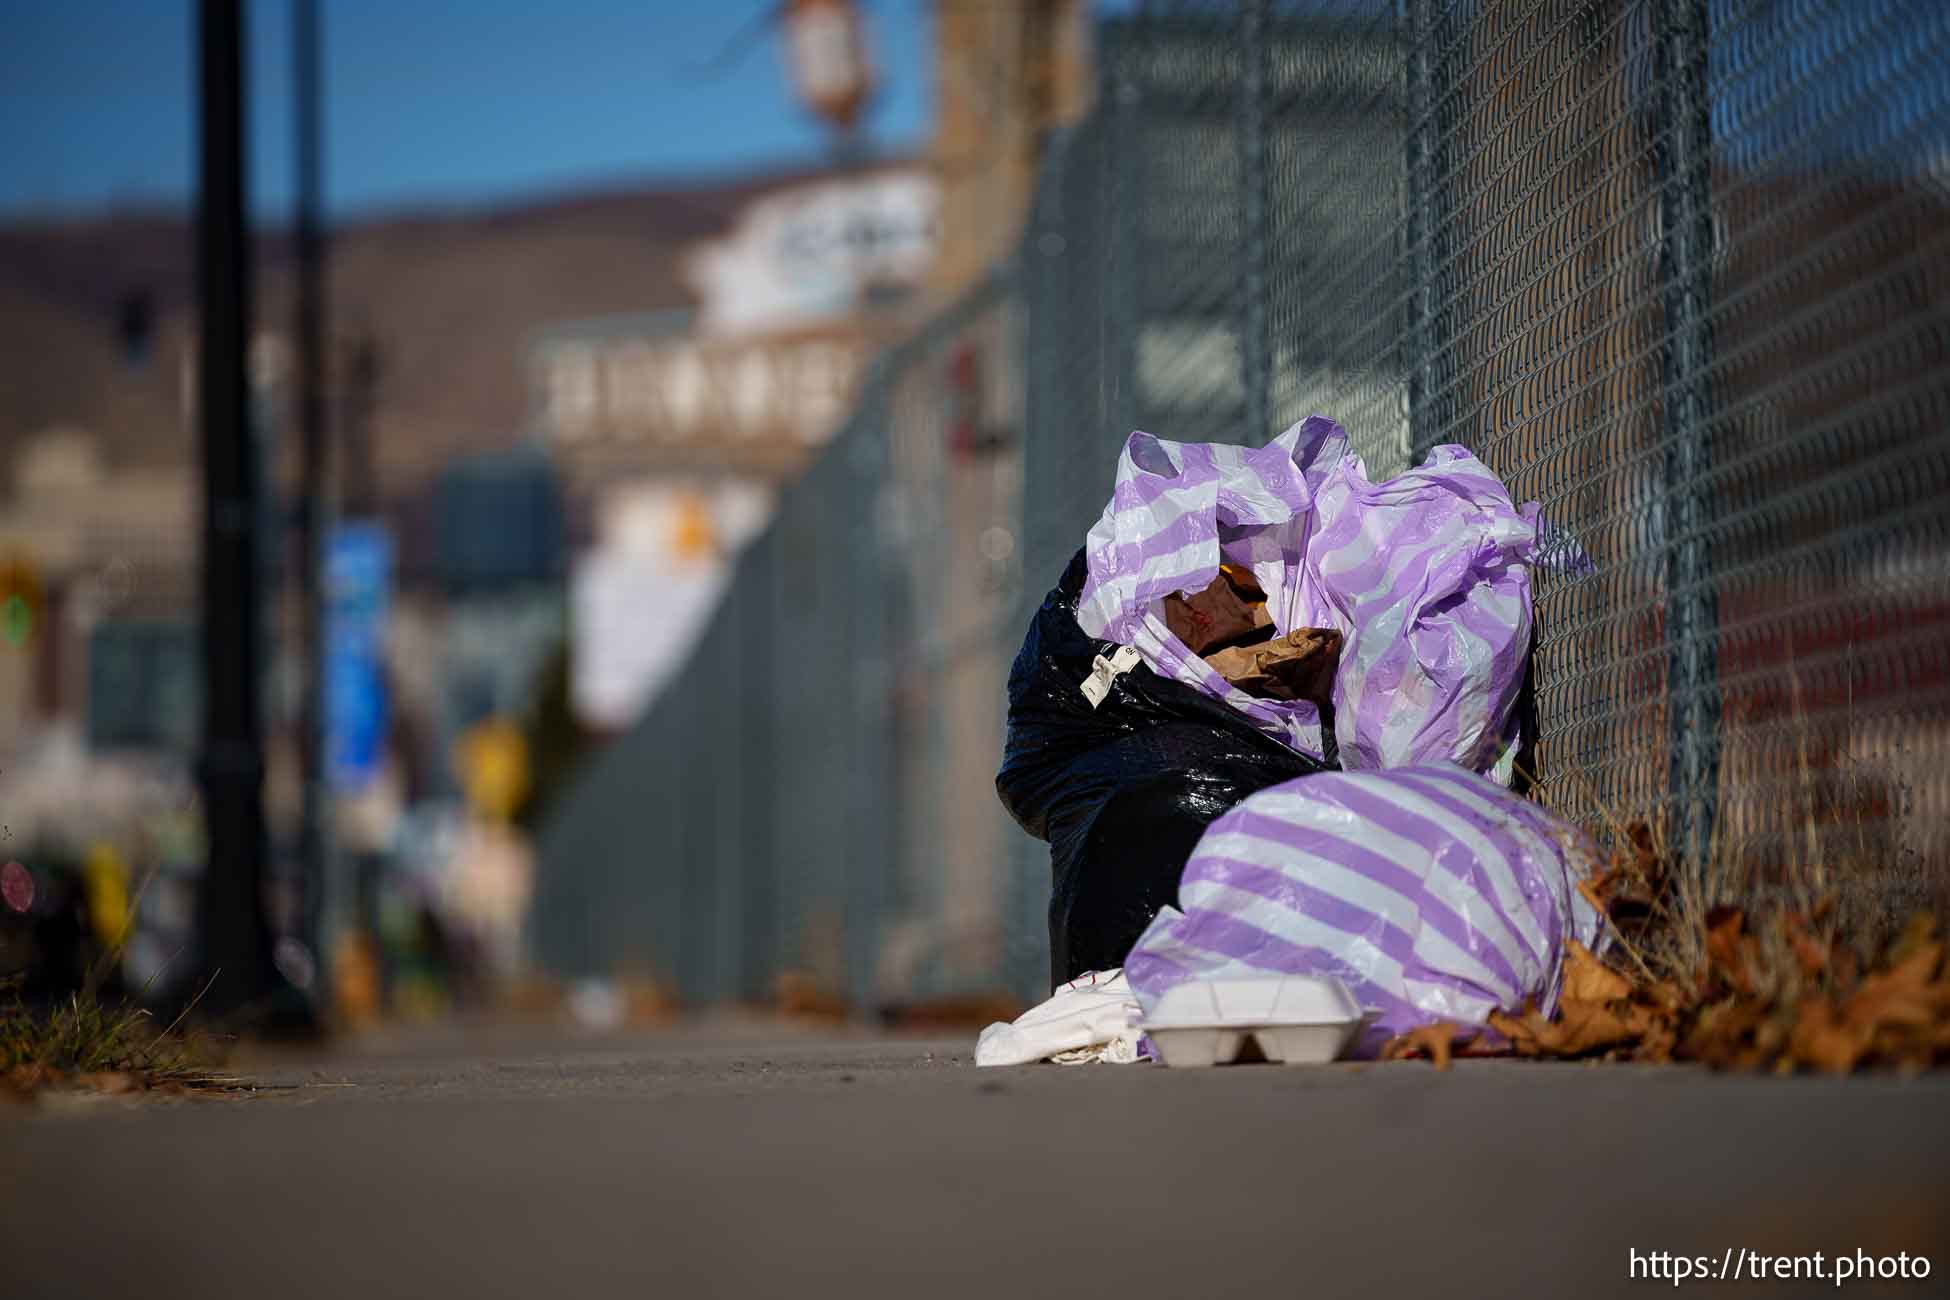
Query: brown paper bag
x=1297 y=666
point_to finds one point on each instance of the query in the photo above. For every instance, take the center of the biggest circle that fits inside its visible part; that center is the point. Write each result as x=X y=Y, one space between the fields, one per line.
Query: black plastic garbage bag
x=1123 y=791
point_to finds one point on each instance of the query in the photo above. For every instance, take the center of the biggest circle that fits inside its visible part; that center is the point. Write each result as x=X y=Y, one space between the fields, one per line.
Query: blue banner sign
x=358 y=580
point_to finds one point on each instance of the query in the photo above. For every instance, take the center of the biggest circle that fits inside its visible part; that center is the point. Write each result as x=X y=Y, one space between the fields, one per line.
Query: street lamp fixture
x=826 y=51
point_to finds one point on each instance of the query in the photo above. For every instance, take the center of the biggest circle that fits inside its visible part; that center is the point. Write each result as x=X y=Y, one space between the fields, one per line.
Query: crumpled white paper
x=1092 y=1018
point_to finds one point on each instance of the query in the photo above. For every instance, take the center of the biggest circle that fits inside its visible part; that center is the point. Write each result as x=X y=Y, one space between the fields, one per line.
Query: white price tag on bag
x=1096 y=687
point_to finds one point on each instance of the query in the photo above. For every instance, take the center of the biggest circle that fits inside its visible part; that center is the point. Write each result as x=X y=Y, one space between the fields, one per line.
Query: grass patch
x=85 y=1042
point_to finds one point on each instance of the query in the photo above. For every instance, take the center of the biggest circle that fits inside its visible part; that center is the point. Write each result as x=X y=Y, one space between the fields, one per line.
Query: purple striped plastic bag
x=1426 y=576
x=1429 y=576
x=1432 y=892
x=1178 y=511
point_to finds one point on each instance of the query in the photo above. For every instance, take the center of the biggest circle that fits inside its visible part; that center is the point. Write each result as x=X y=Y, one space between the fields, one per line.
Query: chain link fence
x=812 y=796
x=1677 y=269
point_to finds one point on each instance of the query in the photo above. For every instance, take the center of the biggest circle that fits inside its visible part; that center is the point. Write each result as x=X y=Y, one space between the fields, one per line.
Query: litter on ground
x=1267 y=722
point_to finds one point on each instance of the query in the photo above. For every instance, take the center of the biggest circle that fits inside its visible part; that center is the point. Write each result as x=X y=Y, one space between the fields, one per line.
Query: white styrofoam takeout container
x=1294 y=1019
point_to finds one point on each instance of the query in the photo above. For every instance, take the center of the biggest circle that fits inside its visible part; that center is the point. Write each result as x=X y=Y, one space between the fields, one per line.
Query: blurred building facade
x=1008 y=76
x=563 y=473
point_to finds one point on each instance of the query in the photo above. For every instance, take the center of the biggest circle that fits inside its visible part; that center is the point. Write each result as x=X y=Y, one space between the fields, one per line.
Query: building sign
x=681 y=390
x=815 y=253
x=769 y=363
x=358 y=571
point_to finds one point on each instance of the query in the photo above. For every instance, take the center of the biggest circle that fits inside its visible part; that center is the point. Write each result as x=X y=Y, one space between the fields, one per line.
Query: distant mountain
x=450 y=297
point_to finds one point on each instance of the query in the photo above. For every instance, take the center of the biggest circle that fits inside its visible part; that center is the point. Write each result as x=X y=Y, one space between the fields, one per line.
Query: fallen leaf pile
x=1733 y=988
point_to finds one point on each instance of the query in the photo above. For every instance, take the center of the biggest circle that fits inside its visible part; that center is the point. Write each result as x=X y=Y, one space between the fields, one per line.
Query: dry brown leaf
x=29 y=1078
x=1585 y=1027
x=1581 y=1028
x=1521 y=1029
x=1586 y=979
x=1589 y=887
x=1481 y=1046
x=799 y=994
x=1821 y=1040
x=1729 y=948
x=1812 y=954
x=1599 y=887
x=1658 y=1042
x=1721 y=1032
x=1905 y=995
x=1844 y=968
x=1771 y=1038
x=1664 y=996
x=1435 y=1041
x=1645 y=854
x=1918 y=935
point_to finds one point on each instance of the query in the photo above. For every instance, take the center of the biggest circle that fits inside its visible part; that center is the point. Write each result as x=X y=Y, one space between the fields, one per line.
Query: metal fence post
x=1685 y=209
x=1121 y=164
x=1254 y=345
x=1418 y=207
x=881 y=643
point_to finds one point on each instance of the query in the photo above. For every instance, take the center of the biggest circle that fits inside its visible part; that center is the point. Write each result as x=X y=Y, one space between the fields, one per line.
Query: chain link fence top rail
x=1677 y=269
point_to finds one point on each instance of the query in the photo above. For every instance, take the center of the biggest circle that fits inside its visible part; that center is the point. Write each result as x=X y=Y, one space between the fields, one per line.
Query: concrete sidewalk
x=761 y=1161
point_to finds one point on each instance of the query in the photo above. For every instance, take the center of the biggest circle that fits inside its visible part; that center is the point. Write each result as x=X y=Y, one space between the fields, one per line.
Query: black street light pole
x=236 y=947
x=309 y=329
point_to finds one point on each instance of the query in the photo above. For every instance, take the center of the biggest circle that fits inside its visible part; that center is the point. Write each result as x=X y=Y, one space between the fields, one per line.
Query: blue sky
x=446 y=102
x=429 y=102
